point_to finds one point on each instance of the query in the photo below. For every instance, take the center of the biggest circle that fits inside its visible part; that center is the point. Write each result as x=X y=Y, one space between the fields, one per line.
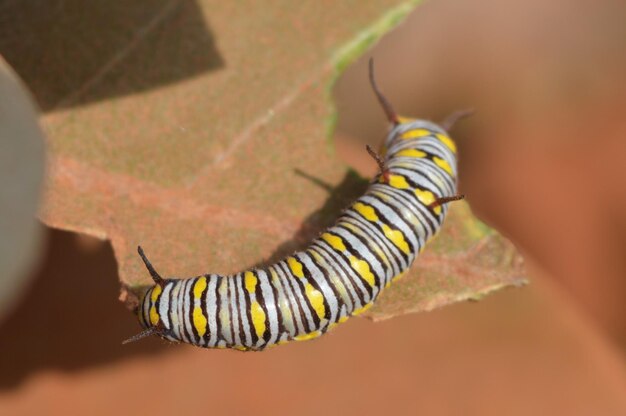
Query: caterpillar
x=340 y=274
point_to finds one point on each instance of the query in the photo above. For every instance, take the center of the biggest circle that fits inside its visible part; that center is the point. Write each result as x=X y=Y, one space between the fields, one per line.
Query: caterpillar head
x=148 y=311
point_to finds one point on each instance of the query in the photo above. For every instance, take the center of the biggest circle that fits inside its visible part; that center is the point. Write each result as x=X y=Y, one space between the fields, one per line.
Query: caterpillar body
x=340 y=274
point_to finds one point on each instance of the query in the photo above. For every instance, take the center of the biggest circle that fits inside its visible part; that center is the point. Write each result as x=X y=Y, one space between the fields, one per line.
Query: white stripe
x=270 y=304
x=211 y=308
x=164 y=305
x=234 y=310
x=224 y=312
x=243 y=308
x=322 y=283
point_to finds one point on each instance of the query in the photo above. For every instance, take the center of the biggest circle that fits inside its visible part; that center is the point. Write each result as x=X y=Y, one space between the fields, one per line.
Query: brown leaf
x=222 y=170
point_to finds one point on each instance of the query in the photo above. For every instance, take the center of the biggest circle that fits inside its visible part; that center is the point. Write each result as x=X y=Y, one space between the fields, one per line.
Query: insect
x=340 y=274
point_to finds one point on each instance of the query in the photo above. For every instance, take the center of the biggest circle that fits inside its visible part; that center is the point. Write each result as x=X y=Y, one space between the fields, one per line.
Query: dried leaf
x=228 y=169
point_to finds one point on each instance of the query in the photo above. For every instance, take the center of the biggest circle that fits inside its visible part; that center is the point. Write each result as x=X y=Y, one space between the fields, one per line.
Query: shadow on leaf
x=70 y=52
x=350 y=188
x=69 y=319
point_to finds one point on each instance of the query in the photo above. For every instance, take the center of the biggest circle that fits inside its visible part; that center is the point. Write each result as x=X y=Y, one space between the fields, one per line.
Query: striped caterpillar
x=340 y=274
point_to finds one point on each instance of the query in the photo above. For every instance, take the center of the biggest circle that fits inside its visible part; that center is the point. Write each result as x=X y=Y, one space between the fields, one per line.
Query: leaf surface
x=231 y=167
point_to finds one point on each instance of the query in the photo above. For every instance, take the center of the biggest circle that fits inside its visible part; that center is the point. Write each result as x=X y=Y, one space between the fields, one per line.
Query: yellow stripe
x=256 y=311
x=309 y=336
x=381 y=195
x=366 y=211
x=399 y=276
x=398 y=182
x=156 y=291
x=317 y=300
x=411 y=153
x=154 y=315
x=316 y=256
x=199 y=287
x=403 y=120
x=343 y=319
x=415 y=133
x=250 y=281
x=427 y=198
x=199 y=320
x=447 y=141
x=295 y=266
x=333 y=278
x=397 y=238
x=362 y=309
x=443 y=164
x=258 y=318
x=335 y=241
x=363 y=269
x=373 y=246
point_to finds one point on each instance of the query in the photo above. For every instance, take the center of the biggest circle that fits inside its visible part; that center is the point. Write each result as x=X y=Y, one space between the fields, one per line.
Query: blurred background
x=542 y=161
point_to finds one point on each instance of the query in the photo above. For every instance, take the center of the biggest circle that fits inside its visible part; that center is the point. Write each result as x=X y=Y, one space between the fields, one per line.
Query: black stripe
x=181 y=299
x=356 y=282
x=290 y=279
x=232 y=310
x=279 y=313
x=434 y=188
x=218 y=310
x=355 y=253
x=306 y=307
x=374 y=234
x=384 y=220
x=309 y=277
x=331 y=267
x=258 y=293
x=170 y=296
x=407 y=199
x=391 y=224
x=241 y=304
x=437 y=218
x=196 y=336
x=326 y=277
x=394 y=252
x=366 y=243
x=248 y=304
x=204 y=341
x=288 y=297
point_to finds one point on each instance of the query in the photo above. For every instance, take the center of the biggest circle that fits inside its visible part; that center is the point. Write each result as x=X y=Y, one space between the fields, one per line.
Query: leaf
x=227 y=169
x=21 y=174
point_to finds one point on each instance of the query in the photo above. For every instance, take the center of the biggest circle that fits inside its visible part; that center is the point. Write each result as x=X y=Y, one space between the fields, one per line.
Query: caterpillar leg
x=382 y=166
x=453 y=118
x=445 y=199
x=389 y=111
x=155 y=276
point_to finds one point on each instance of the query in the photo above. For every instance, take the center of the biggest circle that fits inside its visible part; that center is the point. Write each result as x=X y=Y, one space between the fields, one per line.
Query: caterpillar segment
x=340 y=274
